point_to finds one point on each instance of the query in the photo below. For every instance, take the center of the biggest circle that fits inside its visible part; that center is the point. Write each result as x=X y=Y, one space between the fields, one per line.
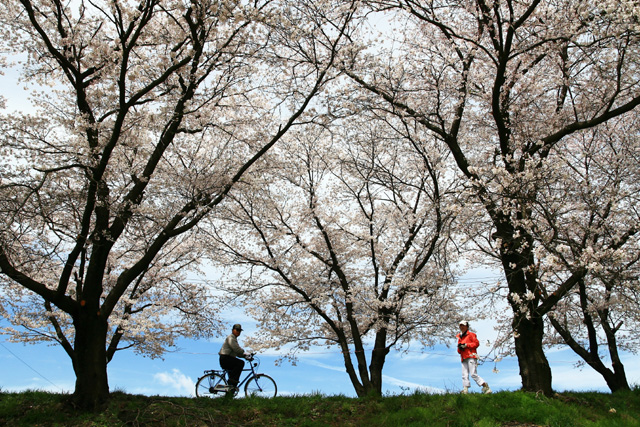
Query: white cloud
x=324 y=366
x=413 y=356
x=411 y=385
x=42 y=384
x=178 y=383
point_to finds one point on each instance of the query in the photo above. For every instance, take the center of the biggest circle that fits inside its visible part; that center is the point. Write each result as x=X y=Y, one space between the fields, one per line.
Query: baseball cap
x=237 y=327
x=464 y=322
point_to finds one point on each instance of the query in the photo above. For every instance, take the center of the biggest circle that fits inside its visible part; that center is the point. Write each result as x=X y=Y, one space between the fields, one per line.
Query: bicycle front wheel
x=211 y=385
x=261 y=385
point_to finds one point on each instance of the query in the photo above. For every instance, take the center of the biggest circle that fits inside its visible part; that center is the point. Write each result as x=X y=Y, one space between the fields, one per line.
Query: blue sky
x=321 y=370
x=43 y=367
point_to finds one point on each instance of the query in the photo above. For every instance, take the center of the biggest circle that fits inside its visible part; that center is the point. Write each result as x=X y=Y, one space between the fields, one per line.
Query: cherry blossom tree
x=589 y=217
x=503 y=84
x=149 y=114
x=343 y=239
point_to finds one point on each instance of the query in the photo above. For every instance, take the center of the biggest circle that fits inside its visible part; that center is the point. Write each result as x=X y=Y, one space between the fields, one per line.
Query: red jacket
x=471 y=340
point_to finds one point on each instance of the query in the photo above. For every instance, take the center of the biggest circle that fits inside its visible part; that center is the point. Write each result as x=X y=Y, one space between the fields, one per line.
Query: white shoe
x=486 y=389
x=465 y=390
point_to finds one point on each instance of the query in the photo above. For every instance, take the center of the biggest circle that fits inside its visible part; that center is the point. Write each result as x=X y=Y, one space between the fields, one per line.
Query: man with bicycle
x=229 y=354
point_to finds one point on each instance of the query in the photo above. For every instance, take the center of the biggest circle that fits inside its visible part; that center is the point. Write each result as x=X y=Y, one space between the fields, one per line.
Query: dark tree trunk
x=616 y=377
x=535 y=371
x=378 y=357
x=358 y=385
x=366 y=380
x=90 y=360
x=528 y=325
x=617 y=381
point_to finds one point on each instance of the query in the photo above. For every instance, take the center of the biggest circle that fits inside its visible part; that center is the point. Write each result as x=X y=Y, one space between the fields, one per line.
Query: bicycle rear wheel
x=212 y=386
x=261 y=385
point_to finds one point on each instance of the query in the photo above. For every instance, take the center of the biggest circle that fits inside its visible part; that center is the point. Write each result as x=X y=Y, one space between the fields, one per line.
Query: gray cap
x=237 y=327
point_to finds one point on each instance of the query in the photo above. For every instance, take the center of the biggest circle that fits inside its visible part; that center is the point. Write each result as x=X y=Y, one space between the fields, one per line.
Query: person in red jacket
x=467 y=348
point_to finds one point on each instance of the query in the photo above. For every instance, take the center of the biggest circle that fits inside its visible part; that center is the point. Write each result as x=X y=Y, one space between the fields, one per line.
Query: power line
x=451 y=355
x=30 y=367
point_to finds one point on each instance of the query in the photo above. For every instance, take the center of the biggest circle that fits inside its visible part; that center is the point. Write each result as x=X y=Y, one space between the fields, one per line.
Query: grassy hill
x=499 y=409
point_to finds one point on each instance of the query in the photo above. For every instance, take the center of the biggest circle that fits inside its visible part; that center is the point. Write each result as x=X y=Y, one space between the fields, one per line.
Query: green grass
x=510 y=409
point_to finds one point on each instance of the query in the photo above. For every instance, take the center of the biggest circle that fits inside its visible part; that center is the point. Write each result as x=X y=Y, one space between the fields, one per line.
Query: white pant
x=470 y=367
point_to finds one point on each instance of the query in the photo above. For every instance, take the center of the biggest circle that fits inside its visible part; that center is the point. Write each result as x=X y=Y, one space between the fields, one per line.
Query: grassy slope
x=499 y=409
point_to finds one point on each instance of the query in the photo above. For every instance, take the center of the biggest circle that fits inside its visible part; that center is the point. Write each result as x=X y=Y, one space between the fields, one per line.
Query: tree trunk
x=616 y=380
x=90 y=360
x=378 y=357
x=616 y=377
x=528 y=325
x=535 y=371
x=366 y=381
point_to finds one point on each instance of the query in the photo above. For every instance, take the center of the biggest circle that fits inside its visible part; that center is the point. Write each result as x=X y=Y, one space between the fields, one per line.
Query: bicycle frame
x=214 y=382
x=224 y=374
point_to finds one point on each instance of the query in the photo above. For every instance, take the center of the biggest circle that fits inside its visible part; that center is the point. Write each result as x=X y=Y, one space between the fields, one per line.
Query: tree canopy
x=150 y=113
x=338 y=174
x=344 y=238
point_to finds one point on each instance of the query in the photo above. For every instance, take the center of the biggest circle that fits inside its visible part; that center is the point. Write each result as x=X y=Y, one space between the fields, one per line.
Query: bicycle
x=214 y=384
